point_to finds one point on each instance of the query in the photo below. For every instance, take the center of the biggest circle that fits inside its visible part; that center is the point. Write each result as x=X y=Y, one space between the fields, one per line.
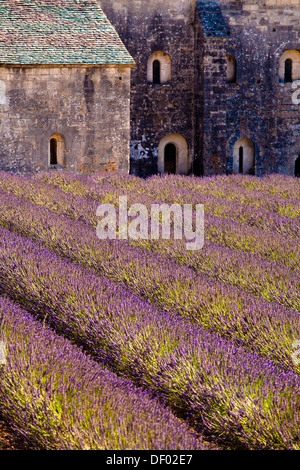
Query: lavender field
x=143 y=344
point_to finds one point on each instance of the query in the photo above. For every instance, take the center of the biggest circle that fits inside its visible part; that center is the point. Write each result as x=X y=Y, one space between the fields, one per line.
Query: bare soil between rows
x=9 y=440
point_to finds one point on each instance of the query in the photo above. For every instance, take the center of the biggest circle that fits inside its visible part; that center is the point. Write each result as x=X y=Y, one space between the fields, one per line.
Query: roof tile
x=58 y=32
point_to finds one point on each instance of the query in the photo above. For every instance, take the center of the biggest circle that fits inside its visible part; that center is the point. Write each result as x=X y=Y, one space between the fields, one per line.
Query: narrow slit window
x=241 y=160
x=231 y=69
x=243 y=157
x=297 y=167
x=288 y=69
x=53 y=152
x=156 y=72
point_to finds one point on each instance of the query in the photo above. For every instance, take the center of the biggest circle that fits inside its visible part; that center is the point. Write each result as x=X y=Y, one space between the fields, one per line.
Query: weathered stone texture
x=157 y=110
x=96 y=106
x=199 y=104
x=259 y=106
x=89 y=106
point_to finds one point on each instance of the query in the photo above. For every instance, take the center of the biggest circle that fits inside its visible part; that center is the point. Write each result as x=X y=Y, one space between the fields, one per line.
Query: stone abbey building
x=179 y=86
x=64 y=87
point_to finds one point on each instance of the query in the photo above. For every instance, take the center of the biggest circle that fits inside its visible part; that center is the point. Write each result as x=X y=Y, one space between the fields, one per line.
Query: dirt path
x=8 y=441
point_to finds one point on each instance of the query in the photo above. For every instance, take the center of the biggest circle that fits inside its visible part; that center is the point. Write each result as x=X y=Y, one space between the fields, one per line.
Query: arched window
x=57 y=150
x=173 y=155
x=297 y=167
x=243 y=157
x=170 y=159
x=159 y=68
x=156 y=72
x=289 y=66
x=231 y=69
x=288 y=70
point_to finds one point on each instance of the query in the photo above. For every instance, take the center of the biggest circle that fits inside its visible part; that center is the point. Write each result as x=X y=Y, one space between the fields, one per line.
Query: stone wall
x=259 y=105
x=158 y=110
x=100 y=116
x=198 y=103
x=211 y=64
x=88 y=107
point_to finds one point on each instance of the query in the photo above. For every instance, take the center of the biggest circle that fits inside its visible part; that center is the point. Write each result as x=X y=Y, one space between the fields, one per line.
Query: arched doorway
x=173 y=155
x=297 y=167
x=170 y=159
x=243 y=157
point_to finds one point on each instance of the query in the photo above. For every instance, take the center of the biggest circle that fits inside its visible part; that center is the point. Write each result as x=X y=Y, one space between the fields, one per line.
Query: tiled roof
x=58 y=32
x=211 y=18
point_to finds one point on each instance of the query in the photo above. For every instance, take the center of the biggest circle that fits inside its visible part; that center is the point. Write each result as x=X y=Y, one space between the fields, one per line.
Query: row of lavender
x=275 y=184
x=231 y=233
x=274 y=194
x=173 y=189
x=257 y=275
x=278 y=185
x=230 y=223
x=265 y=327
x=241 y=399
x=56 y=397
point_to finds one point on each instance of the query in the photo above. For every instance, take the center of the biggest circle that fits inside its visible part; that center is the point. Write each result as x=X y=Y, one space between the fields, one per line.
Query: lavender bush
x=56 y=397
x=274 y=193
x=217 y=229
x=207 y=332
x=260 y=276
x=238 y=397
x=259 y=325
x=178 y=189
